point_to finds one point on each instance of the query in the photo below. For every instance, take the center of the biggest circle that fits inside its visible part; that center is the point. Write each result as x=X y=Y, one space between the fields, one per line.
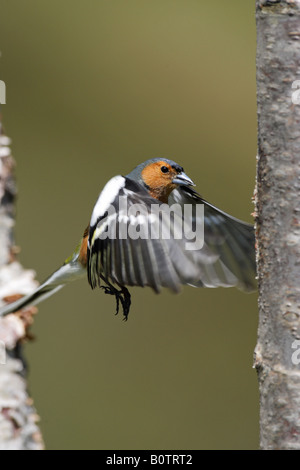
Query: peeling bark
x=278 y=222
x=18 y=418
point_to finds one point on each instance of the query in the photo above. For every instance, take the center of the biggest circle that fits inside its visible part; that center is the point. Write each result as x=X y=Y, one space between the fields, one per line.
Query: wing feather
x=230 y=239
x=226 y=258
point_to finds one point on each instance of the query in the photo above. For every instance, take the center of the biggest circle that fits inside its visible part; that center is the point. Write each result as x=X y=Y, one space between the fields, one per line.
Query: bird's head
x=160 y=176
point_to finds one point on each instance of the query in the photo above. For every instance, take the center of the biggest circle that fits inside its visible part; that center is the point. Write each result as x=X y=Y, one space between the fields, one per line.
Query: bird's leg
x=125 y=298
x=121 y=295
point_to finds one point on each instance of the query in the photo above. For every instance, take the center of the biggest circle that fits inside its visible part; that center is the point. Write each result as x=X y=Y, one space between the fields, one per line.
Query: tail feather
x=67 y=273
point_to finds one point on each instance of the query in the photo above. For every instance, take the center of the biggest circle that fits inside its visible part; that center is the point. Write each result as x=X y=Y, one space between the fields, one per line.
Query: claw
x=122 y=296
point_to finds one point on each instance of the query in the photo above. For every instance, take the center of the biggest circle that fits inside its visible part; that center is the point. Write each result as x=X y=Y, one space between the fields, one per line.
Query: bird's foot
x=122 y=296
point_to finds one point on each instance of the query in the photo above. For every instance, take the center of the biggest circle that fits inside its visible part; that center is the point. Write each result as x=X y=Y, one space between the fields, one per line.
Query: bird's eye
x=164 y=169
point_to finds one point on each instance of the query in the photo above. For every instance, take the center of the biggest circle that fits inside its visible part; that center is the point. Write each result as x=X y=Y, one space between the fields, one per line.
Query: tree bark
x=278 y=222
x=18 y=417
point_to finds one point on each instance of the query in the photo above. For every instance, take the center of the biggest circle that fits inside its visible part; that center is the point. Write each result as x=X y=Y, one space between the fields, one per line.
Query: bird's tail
x=70 y=271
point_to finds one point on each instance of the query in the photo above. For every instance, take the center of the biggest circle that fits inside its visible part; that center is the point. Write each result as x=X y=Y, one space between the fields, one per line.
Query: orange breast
x=82 y=258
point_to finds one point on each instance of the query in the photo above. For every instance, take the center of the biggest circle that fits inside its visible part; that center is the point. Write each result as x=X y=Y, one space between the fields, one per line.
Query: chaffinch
x=123 y=246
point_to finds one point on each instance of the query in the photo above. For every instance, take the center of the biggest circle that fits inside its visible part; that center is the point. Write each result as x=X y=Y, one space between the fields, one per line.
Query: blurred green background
x=93 y=89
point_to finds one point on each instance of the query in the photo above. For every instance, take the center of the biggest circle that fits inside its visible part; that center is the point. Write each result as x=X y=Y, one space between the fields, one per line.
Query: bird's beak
x=183 y=179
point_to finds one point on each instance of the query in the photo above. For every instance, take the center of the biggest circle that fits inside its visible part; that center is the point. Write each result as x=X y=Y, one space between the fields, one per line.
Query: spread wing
x=138 y=241
x=232 y=240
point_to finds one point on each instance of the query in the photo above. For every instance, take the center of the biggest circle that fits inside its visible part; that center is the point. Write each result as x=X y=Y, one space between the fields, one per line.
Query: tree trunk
x=18 y=418
x=277 y=353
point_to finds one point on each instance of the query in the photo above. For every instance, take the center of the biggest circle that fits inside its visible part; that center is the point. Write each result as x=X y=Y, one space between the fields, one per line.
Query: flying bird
x=154 y=246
